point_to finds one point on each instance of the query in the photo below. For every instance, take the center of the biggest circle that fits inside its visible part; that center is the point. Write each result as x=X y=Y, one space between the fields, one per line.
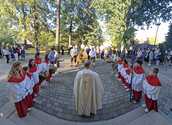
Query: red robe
x=151 y=101
x=127 y=70
x=21 y=106
x=37 y=60
x=36 y=87
x=136 y=85
x=29 y=97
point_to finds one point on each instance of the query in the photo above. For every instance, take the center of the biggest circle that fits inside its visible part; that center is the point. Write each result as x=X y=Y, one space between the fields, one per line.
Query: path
x=116 y=101
x=57 y=99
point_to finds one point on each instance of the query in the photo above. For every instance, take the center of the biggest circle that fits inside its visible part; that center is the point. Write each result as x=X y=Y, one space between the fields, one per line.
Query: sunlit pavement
x=57 y=96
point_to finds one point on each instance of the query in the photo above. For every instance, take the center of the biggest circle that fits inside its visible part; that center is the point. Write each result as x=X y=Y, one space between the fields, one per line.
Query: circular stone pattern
x=57 y=98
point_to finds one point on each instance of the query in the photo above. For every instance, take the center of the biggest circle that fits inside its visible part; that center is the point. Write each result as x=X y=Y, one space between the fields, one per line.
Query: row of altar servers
x=149 y=85
x=25 y=82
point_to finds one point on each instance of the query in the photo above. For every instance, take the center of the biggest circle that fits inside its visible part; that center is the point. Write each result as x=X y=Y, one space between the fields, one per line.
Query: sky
x=143 y=35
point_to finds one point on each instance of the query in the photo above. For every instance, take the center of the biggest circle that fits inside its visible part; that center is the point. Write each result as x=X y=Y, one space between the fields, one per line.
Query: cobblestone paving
x=3 y=96
x=57 y=98
x=165 y=98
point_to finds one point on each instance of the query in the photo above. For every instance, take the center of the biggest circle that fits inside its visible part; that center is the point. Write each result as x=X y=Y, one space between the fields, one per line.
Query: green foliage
x=150 y=11
x=169 y=38
x=35 y=21
x=115 y=12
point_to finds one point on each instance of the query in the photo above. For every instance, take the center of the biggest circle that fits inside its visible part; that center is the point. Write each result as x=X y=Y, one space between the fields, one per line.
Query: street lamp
x=158 y=25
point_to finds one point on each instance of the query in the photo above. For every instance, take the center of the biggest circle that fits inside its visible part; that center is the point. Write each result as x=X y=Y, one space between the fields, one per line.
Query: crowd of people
x=155 y=55
x=88 y=53
x=149 y=55
x=12 y=53
x=133 y=78
x=25 y=81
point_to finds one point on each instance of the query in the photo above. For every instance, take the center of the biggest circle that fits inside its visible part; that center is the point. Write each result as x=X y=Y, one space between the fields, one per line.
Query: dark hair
x=87 y=64
x=30 y=63
x=46 y=56
x=36 y=55
x=25 y=68
x=155 y=70
x=125 y=61
x=139 y=62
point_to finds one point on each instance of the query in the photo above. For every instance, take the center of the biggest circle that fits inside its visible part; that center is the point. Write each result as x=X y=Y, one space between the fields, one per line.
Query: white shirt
x=73 y=52
x=6 y=52
x=92 y=53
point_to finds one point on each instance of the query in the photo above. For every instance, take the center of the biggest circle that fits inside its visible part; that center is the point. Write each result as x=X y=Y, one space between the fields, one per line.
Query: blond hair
x=14 y=71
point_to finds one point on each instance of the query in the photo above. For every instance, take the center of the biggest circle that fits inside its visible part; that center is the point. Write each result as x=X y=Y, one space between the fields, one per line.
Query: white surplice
x=88 y=92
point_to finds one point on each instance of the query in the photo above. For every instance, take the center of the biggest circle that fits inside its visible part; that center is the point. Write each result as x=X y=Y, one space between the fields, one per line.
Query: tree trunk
x=70 y=40
x=70 y=34
x=36 y=25
x=58 y=23
x=24 y=21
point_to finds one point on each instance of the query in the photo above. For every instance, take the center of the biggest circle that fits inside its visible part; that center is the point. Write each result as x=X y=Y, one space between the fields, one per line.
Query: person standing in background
x=6 y=54
x=62 y=50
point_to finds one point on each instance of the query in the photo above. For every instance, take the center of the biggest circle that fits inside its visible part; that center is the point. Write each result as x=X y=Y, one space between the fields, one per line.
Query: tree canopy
x=169 y=38
x=36 y=20
x=145 y=12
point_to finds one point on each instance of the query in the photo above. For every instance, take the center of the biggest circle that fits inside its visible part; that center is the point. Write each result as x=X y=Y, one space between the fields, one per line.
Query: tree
x=169 y=37
x=115 y=12
x=36 y=21
x=58 y=22
x=150 y=11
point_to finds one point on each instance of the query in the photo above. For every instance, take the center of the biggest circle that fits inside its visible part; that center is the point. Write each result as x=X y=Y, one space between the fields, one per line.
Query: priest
x=88 y=91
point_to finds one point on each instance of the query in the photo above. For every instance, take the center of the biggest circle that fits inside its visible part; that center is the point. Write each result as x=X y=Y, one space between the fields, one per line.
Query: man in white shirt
x=92 y=55
x=6 y=53
x=74 y=54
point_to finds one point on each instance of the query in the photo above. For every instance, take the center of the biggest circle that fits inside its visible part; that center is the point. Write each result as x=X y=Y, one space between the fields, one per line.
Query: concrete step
x=7 y=110
x=121 y=120
x=6 y=122
x=152 y=118
x=135 y=117
x=126 y=118
x=37 y=117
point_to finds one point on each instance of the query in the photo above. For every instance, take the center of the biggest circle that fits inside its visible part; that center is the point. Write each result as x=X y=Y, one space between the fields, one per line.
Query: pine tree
x=169 y=37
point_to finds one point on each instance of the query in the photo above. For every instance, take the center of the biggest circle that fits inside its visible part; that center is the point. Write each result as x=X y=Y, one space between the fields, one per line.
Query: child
x=37 y=60
x=18 y=92
x=45 y=74
x=119 y=67
x=29 y=87
x=151 y=87
x=137 y=81
x=33 y=70
x=126 y=75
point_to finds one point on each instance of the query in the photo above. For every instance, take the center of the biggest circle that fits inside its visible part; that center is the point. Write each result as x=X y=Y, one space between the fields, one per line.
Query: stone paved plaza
x=57 y=98
x=165 y=97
